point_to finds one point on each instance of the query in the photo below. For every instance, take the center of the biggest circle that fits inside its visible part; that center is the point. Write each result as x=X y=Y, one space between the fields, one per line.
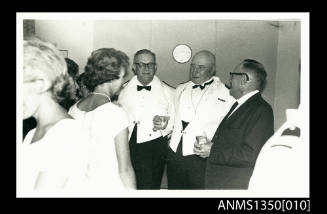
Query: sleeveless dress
x=102 y=125
x=61 y=152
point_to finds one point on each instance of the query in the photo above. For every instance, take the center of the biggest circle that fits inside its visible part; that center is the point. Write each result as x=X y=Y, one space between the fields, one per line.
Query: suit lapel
x=238 y=112
x=178 y=123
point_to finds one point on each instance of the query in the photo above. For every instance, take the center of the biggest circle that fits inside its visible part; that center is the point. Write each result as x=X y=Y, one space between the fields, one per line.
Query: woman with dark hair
x=106 y=123
x=52 y=158
x=72 y=69
x=82 y=90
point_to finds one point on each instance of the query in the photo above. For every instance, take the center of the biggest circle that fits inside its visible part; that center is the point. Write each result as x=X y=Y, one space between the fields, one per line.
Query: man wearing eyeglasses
x=148 y=102
x=200 y=104
x=235 y=146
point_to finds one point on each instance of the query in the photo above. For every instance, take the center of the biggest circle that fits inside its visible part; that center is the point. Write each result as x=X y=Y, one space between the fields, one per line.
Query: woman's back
x=102 y=124
x=105 y=123
x=90 y=103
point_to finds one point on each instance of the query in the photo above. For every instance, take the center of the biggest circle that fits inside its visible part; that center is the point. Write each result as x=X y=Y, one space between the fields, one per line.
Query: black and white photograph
x=195 y=105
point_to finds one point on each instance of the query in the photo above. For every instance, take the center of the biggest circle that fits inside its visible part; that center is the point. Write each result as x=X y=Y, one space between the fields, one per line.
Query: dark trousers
x=148 y=160
x=185 y=172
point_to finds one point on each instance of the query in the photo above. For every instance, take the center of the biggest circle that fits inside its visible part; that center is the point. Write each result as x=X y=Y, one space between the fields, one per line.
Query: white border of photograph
x=302 y=17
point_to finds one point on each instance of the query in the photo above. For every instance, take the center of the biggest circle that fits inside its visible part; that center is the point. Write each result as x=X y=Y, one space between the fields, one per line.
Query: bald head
x=205 y=55
x=203 y=66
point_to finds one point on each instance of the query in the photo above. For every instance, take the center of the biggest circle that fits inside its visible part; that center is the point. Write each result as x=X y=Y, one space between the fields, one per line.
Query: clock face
x=182 y=53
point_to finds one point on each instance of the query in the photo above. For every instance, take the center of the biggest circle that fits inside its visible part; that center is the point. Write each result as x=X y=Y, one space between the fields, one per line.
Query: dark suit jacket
x=237 y=143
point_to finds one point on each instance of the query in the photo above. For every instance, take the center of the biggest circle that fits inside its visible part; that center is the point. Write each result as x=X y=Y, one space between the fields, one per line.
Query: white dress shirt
x=203 y=109
x=141 y=106
x=197 y=95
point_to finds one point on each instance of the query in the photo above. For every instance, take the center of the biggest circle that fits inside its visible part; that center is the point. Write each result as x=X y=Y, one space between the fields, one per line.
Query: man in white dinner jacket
x=200 y=105
x=148 y=102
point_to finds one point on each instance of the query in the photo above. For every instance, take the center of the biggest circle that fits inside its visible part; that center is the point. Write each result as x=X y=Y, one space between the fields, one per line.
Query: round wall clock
x=182 y=53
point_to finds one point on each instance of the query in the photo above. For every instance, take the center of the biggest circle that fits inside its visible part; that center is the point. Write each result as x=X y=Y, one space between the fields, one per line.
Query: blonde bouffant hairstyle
x=43 y=59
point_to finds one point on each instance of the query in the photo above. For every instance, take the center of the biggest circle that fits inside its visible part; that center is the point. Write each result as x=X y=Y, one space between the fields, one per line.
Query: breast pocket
x=219 y=108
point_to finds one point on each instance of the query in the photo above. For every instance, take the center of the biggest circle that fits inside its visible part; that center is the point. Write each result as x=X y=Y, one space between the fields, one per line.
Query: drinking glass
x=202 y=138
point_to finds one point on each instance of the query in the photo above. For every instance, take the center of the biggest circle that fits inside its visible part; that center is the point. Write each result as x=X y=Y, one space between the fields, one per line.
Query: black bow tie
x=140 y=87
x=203 y=86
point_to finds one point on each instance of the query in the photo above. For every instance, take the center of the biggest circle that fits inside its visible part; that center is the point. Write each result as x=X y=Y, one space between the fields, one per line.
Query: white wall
x=166 y=35
x=231 y=41
x=238 y=40
x=287 y=87
x=74 y=36
x=127 y=36
x=160 y=37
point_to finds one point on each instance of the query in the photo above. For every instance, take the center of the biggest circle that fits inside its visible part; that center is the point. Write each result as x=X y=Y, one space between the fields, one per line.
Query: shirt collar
x=246 y=97
x=154 y=80
x=202 y=83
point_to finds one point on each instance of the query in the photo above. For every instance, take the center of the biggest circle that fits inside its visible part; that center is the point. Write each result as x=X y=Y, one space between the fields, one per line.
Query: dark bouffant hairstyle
x=258 y=70
x=72 y=68
x=80 y=79
x=42 y=58
x=98 y=70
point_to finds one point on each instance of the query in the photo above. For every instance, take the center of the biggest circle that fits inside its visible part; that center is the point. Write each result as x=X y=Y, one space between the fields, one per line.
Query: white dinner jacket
x=142 y=106
x=211 y=110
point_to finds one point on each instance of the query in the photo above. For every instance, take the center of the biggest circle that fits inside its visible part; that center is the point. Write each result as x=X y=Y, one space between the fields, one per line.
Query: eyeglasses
x=237 y=73
x=142 y=65
x=199 y=67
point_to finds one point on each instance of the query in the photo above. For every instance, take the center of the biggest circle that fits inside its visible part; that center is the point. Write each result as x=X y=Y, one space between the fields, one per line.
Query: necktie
x=202 y=86
x=225 y=118
x=231 y=110
x=184 y=124
x=140 y=87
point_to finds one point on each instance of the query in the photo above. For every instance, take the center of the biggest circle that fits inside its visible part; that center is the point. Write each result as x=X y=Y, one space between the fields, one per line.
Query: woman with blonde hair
x=53 y=159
